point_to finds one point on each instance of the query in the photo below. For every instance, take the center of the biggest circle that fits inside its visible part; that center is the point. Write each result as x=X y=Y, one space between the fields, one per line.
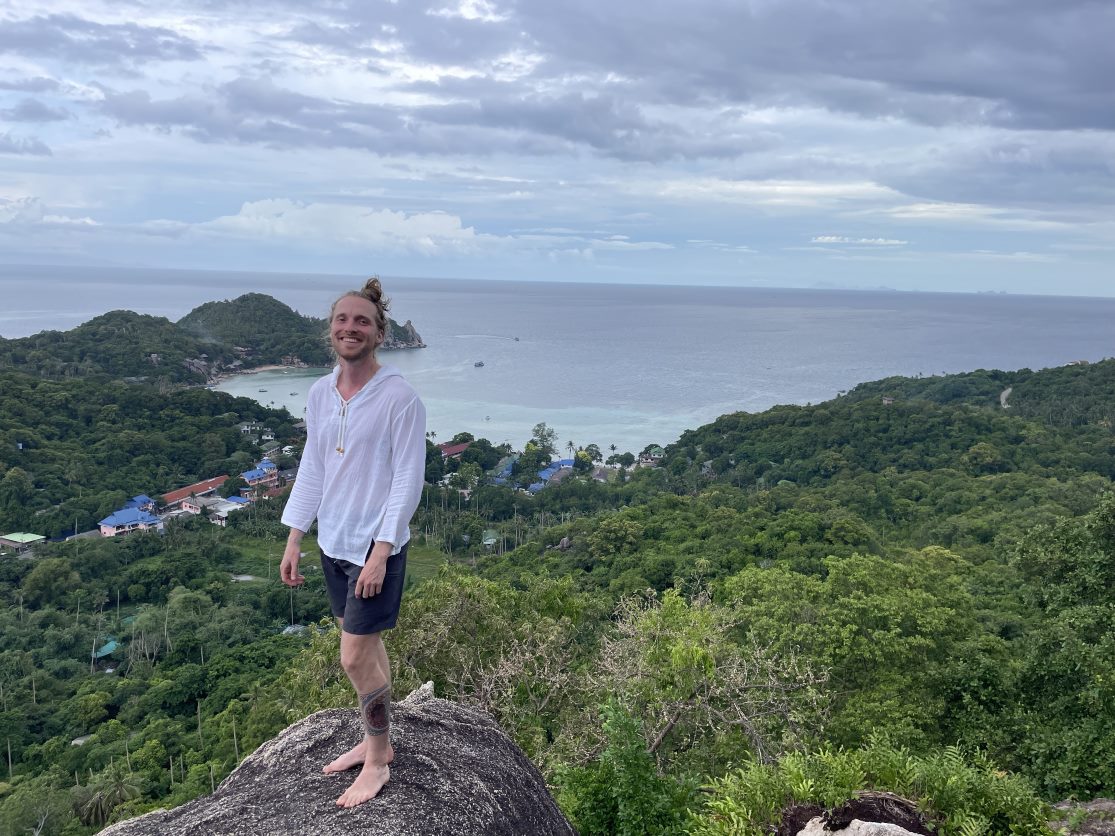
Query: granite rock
x=455 y=772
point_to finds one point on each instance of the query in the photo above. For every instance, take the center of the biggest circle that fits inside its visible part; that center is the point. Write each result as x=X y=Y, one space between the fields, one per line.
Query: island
x=251 y=332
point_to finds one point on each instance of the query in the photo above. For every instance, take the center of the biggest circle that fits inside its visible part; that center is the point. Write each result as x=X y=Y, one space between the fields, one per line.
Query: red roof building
x=200 y=489
x=448 y=451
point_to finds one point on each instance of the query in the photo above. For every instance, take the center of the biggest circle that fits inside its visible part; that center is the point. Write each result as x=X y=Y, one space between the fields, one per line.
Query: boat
x=478 y=363
x=294 y=393
x=263 y=390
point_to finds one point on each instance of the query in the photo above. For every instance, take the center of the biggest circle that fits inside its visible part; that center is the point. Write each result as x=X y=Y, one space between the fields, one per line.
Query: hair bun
x=373 y=292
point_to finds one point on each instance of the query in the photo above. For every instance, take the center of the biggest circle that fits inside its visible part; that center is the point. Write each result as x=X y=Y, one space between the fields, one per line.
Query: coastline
x=270 y=367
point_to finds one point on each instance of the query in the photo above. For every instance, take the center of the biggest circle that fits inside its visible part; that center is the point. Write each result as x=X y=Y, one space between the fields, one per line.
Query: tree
x=545 y=439
x=109 y=790
x=533 y=459
x=676 y=666
x=50 y=581
x=466 y=477
x=37 y=807
x=16 y=492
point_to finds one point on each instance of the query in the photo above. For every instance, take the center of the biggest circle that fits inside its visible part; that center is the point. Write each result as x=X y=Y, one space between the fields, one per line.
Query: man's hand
x=370 y=581
x=288 y=569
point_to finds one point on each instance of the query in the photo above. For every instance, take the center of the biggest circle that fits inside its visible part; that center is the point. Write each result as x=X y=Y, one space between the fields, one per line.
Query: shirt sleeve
x=408 y=473
x=305 y=497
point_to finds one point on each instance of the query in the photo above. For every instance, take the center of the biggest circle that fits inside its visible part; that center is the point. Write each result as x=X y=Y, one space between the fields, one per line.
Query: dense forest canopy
x=909 y=594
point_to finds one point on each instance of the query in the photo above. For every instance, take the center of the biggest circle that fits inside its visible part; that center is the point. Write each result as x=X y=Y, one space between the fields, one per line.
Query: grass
x=423 y=562
x=256 y=555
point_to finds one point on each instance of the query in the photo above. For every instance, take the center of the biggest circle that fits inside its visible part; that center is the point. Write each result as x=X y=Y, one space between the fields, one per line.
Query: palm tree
x=113 y=787
x=571 y=447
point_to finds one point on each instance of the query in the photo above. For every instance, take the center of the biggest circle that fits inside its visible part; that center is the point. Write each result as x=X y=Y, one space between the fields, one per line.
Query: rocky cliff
x=455 y=772
x=403 y=336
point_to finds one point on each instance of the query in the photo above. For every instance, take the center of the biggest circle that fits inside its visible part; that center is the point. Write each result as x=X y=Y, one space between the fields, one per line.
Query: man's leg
x=355 y=756
x=364 y=659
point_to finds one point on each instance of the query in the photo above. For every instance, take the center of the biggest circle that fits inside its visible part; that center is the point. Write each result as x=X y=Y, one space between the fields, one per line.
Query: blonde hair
x=373 y=292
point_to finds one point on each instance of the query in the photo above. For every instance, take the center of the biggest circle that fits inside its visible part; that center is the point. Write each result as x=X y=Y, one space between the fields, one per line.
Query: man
x=361 y=476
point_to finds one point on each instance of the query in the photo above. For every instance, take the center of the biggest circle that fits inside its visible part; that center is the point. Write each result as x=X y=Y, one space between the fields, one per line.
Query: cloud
x=23 y=145
x=471 y=10
x=72 y=38
x=523 y=128
x=32 y=110
x=38 y=84
x=30 y=211
x=868 y=242
x=324 y=224
x=801 y=193
x=259 y=111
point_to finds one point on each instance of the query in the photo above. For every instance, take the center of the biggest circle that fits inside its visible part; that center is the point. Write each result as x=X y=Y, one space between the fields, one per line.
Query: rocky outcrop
x=870 y=813
x=403 y=336
x=455 y=772
x=1085 y=818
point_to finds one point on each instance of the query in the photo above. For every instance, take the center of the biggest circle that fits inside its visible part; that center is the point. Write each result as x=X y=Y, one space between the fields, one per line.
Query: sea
x=629 y=365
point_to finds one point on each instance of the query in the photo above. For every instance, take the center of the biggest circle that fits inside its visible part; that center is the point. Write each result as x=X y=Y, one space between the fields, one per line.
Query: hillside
x=119 y=344
x=910 y=596
x=1073 y=395
x=216 y=337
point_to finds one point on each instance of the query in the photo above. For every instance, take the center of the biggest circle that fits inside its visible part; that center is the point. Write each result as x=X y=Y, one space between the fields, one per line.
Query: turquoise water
x=612 y=364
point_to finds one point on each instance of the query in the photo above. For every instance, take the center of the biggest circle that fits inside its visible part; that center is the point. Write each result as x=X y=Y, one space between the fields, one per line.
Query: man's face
x=353 y=330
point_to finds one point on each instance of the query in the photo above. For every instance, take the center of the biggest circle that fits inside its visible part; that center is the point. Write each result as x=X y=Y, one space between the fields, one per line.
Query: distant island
x=211 y=341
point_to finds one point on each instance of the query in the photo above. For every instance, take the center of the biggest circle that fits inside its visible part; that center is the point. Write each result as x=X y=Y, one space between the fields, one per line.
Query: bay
x=628 y=365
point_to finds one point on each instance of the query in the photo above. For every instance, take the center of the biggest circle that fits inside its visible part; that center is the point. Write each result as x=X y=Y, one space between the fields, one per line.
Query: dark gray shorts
x=364 y=616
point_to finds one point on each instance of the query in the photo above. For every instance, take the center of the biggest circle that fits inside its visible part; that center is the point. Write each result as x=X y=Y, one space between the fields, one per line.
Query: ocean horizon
x=628 y=365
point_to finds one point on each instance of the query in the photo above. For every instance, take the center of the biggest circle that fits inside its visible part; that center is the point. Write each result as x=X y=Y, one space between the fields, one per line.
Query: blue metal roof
x=249 y=475
x=139 y=501
x=129 y=516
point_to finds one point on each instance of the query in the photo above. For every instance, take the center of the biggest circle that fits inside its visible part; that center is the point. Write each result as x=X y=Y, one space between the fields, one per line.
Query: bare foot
x=366 y=786
x=353 y=758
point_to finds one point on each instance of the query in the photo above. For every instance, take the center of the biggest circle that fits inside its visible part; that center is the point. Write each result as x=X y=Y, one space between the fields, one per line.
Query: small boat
x=263 y=390
x=294 y=393
x=478 y=363
x=516 y=339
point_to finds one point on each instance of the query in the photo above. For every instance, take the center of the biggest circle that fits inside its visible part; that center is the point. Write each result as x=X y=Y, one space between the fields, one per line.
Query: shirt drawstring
x=341 y=429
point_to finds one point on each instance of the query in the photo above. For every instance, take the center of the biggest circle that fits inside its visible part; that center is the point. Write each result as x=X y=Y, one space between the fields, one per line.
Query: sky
x=936 y=145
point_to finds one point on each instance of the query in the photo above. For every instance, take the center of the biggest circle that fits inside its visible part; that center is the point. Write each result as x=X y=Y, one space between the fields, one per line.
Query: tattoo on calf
x=375 y=710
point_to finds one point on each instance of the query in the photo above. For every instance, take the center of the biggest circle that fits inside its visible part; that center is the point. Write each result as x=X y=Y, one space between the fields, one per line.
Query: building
x=216 y=508
x=20 y=541
x=453 y=451
x=209 y=486
x=263 y=476
x=143 y=502
x=553 y=472
x=127 y=520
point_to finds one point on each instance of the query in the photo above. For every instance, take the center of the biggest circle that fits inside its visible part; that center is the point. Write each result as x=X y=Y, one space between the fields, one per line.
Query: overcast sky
x=914 y=144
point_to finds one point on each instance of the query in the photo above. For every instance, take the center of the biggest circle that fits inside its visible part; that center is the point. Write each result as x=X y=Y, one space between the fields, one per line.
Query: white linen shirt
x=363 y=467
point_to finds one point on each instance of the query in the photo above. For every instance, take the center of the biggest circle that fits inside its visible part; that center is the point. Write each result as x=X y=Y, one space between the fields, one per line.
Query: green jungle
x=907 y=588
